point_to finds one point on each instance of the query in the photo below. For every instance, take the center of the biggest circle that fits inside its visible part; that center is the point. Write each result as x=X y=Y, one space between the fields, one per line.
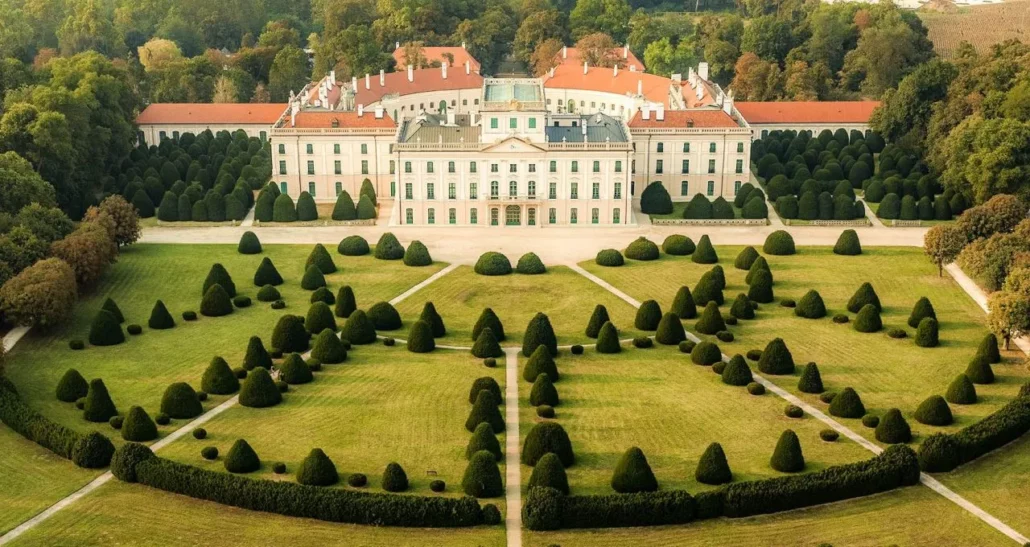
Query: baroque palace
x=450 y=147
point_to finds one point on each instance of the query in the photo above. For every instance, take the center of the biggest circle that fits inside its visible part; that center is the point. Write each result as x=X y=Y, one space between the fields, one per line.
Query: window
x=513 y=188
x=393 y=167
x=409 y=216
x=532 y=168
x=452 y=216
x=633 y=166
x=407 y=167
x=595 y=192
x=618 y=166
x=336 y=148
x=552 y=215
x=464 y=102
x=711 y=147
x=282 y=148
x=513 y=168
x=472 y=167
x=311 y=189
x=685 y=168
x=429 y=167
x=573 y=216
x=574 y=190
x=337 y=168
x=494 y=168
x=531 y=216
x=736 y=187
x=595 y=215
x=162 y=135
x=407 y=191
x=282 y=167
x=711 y=188
x=615 y=216
x=494 y=214
x=618 y=191
x=393 y=188
x=282 y=187
x=684 y=188
x=553 y=167
x=450 y=167
x=339 y=188
x=532 y=189
x=430 y=191
x=473 y=216
x=597 y=166
x=740 y=166
x=495 y=188
x=263 y=135
x=493 y=123
x=364 y=167
x=740 y=148
x=473 y=191
x=659 y=167
x=711 y=166
x=311 y=167
x=175 y=135
x=552 y=191
x=310 y=149
x=431 y=216
x=661 y=147
x=532 y=123
x=686 y=148
x=513 y=123
x=575 y=166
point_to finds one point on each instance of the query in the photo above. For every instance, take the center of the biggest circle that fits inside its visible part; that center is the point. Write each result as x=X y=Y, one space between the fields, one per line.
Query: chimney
x=368 y=82
x=727 y=104
x=411 y=73
x=565 y=52
x=379 y=111
x=354 y=83
x=463 y=45
x=552 y=72
x=361 y=110
x=615 y=70
x=584 y=67
x=468 y=67
x=396 y=45
x=677 y=78
x=660 y=113
x=450 y=116
x=443 y=68
x=692 y=77
x=702 y=70
x=640 y=87
x=625 y=51
x=645 y=113
x=294 y=109
x=382 y=77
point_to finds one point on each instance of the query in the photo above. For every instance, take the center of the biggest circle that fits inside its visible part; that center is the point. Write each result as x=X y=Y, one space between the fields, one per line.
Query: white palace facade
x=451 y=147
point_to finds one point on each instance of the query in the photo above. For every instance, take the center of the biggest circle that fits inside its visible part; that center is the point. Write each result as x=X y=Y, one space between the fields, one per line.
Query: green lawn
x=679 y=206
x=566 y=297
x=874 y=207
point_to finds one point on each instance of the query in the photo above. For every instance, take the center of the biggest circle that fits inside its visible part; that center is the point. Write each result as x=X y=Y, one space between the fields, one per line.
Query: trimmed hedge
x=609 y=258
x=420 y=337
x=811 y=381
x=486 y=346
x=483 y=438
x=417 y=255
x=811 y=306
x=289 y=334
x=776 y=358
x=216 y=302
x=549 y=473
x=633 y=474
x=482 y=478
x=106 y=330
x=934 y=411
x=539 y=333
x=256 y=356
x=488 y=319
x=868 y=319
x=705 y=252
x=547 y=437
x=549 y=509
x=863 y=296
x=353 y=246
x=71 y=387
x=942 y=452
x=847 y=404
x=313 y=278
x=711 y=320
x=705 y=353
x=259 y=390
x=530 y=264
x=316 y=469
x=492 y=263
x=485 y=410
x=848 y=244
x=920 y=311
x=180 y=402
x=779 y=243
x=219 y=379
x=249 y=244
x=608 y=339
x=961 y=391
x=788 y=457
x=160 y=319
x=678 y=245
x=683 y=304
x=642 y=249
x=736 y=373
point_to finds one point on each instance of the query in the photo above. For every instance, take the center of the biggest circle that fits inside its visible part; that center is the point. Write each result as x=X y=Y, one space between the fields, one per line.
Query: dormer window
x=335 y=122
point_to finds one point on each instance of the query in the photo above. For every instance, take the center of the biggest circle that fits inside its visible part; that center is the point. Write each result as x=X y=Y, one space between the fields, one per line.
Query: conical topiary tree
x=283 y=209
x=926 y=334
x=218 y=275
x=893 y=429
x=483 y=438
x=319 y=318
x=345 y=302
x=219 y=379
x=543 y=392
x=811 y=306
x=633 y=474
x=71 y=387
x=216 y=302
x=921 y=310
x=705 y=353
x=760 y=264
x=313 y=278
x=713 y=468
x=811 y=381
x=848 y=244
x=649 y=314
x=847 y=404
x=105 y=330
x=259 y=390
x=306 y=208
x=683 y=305
x=746 y=259
x=549 y=473
x=256 y=356
x=358 y=329
x=486 y=345
x=328 y=348
x=608 y=339
x=138 y=426
x=394 y=478
x=420 y=338
x=988 y=349
x=961 y=391
x=160 y=319
x=98 y=406
x=388 y=248
x=430 y=316
x=761 y=290
x=110 y=305
x=670 y=331
x=344 y=208
x=488 y=384
x=597 y=320
x=868 y=319
x=482 y=478
x=540 y=362
x=316 y=469
x=323 y=294
x=241 y=458
x=547 y=437
x=787 y=457
x=708 y=290
x=488 y=319
x=864 y=295
x=417 y=255
x=294 y=370
x=366 y=208
x=776 y=358
x=736 y=373
x=718 y=277
x=742 y=308
x=711 y=320
x=705 y=252
x=539 y=333
x=180 y=402
x=485 y=410
x=267 y=274
x=249 y=244
x=934 y=411
x=289 y=334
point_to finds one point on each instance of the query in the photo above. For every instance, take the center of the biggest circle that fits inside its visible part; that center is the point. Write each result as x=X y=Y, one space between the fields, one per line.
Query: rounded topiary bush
x=865 y=295
x=633 y=474
x=491 y=515
x=278 y=305
x=711 y=320
x=760 y=264
x=829 y=435
x=920 y=311
x=279 y=468
x=324 y=295
x=216 y=302
x=724 y=336
x=485 y=410
x=687 y=346
x=259 y=390
x=811 y=306
x=547 y=437
x=870 y=421
x=793 y=411
x=384 y=316
x=827 y=396
x=319 y=318
x=678 y=245
x=868 y=319
x=934 y=411
x=76 y=344
x=249 y=244
x=847 y=404
x=388 y=248
x=417 y=255
x=328 y=348
x=642 y=342
x=787 y=457
x=530 y=264
x=71 y=387
x=316 y=469
x=893 y=429
x=289 y=334
x=549 y=473
x=492 y=263
x=482 y=478
x=241 y=458
x=988 y=349
x=218 y=275
x=811 y=381
x=742 y=308
x=483 y=438
x=779 y=243
x=200 y=433
x=848 y=244
x=776 y=358
x=539 y=333
x=609 y=258
x=746 y=258
x=294 y=370
x=92 y=451
x=162 y=419
x=705 y=252
x=394 y=478
x=961 y=391
x=313 y=278
x=926 y=334
x=437 y=485
x=180 y=402
x=256 y=355
x=597 y=320
x=209 y=453
x=841 y=319
x=705 y=354
x=979 y=370
x=357 y=480
x=110 y=306
x=545 y=411
x=753 y=354
x=788 y=303
x=737 y=373
x=755 y=388
x=488 y=319
x=543 y=392
x=708 y=289
x=642 y=249
x=138 y=426
x=345 y=302
x=160 y=318
x=219 y=379
x=106 y=330
x=353 y=246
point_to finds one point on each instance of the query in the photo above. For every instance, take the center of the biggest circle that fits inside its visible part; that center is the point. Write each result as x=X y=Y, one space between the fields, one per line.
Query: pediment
x=513 y=145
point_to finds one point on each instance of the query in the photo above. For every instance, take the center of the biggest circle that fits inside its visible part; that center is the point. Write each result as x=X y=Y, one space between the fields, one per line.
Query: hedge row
x=136 y=463
x=944 y=452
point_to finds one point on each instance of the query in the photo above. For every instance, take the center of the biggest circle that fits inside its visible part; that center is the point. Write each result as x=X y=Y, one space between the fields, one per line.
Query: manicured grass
x=886 y=372
x=658 y=400
x=138 y=371
x=32 y=478
x=131 y=514
x=566 y=297
x=679 y=206
x=382 y=405
x=874 y=207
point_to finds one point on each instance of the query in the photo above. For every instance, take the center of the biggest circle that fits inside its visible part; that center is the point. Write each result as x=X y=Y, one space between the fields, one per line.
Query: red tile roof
x=807 y=111
x=436 y=53
x=655 y=88
x=213 y=114
x=572 y=58
x=324 y=120
x=425 y=79
x=707 y=117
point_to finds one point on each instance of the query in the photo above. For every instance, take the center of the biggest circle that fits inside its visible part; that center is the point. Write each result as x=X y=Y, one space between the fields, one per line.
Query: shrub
x=289 y=334
x=597 y=319
x=683 y=304
x=940 y=453
x=316 y=469
x=708 y=289
x=609 y=257
x=160 y=319
x=209 y=453
x=934 y=411
x=319 y=257
x=437 y=485
x=724 y=336
x=105 y=330
x=811 y=306
x=241 y=301
x=863 y=296
x=279 y=468
x=760 y=288
x=920 y=311
x=417 y=255
x=328 y=348
x=848 y=244
x=76 y=344
x=670 y=331
x=282 y=386
x=608 y=339
x=827 y=396
x=490 y=362
x=687 y=346
x=42 y=294
x=642 y=342
x=755 y=208
x=530 y=264
x=216 y=302
x=313 y=278
x=366 y=207
x=678 y=245
x=162 y=419
x=655 y=200
x=344 y=207
x=486 y=346
x=491 y=263
x=893 y=429
x=961 y=391
x=219 y=378
x=485 y=410
x=294 y=370
x=988 y=349
x=642 y=249
x=483 y=438
x=180 y=402
x=779 y=242
x=811 y=381
x=71 y=387
x=394 y=478
x=711 y=320
x=543 y=392
x=241 y=458
x=420 y=338
x=98 y=406
x=755 y=388
x=545 y=411
x=847 y=404
x=633 y=474
x=482 y=478
x=760 y=264
x=547 y=437
x=788 y=303
x=488 y=319
x=218 y=275
x=540 y=362
x=249 y=244
x=354 y=246
x=840 y=319
x=345 y=302
x=754 y=354
x=705 y=252
x=792 y=411
x=324 y=295
x=776 y=358
x=926 y=334
x=138 y=426
x=549 y=473
x=200 y=433
x=742 y=308
x=705 y=354
x=319 y=318
x=259 y=390
x=357 y=480
x=787 y=457
x=189 y=315
x=360 y=329
x=283 y=209
x=267 y=276
x=540 y=334
x=736 y=373
x=868 y=319
x=829 y=435
x=256 y=355
x=306 y=209
x=746 y=259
